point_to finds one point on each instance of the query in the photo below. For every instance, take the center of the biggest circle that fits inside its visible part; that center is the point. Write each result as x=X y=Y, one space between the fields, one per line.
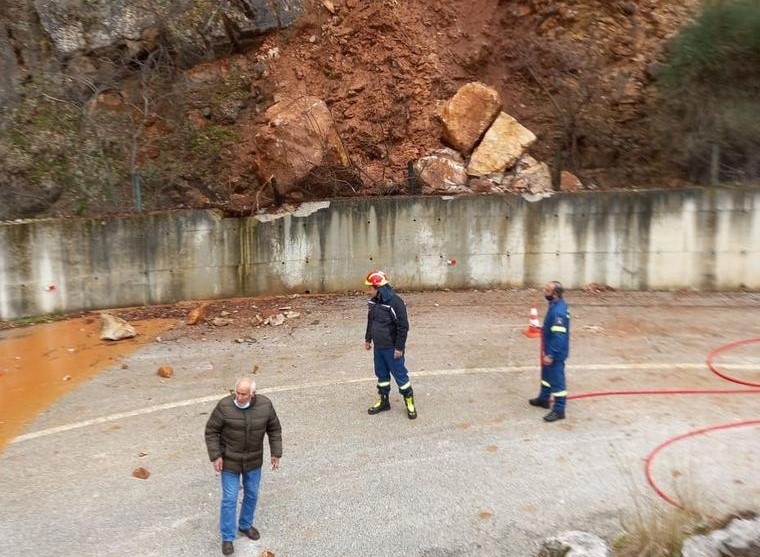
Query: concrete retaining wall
x=690 y=238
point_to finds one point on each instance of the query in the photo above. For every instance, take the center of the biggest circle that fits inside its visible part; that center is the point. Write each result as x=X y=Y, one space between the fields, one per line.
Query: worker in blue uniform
x=387 y=328
x=555 y=347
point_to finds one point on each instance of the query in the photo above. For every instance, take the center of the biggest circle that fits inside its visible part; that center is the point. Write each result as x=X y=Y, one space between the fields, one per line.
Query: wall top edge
x=307 y=208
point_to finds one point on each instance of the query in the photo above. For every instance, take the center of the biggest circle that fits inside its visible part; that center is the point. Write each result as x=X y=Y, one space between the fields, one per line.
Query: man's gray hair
x=246 y=380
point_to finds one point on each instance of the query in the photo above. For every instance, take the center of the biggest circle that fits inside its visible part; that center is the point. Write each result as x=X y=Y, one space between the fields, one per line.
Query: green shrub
x=710 y=85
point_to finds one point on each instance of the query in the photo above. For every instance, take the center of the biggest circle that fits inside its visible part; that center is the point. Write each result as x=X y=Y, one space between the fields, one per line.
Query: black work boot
x=411 y=410
x=553 y=416
x=381 y=405
x=539 y=402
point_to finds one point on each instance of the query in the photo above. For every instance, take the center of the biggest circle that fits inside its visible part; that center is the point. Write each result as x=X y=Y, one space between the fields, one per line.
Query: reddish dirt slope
x=384 y=66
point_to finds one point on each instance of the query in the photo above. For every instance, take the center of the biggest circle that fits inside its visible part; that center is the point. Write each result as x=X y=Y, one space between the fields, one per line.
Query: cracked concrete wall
x=664 y=240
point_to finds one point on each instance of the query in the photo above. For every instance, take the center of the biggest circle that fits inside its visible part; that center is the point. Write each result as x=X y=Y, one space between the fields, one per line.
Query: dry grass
x=655 y=531
x=652 y=528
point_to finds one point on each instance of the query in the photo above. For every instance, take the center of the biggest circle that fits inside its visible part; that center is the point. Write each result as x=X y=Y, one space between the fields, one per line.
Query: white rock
x=574 y=544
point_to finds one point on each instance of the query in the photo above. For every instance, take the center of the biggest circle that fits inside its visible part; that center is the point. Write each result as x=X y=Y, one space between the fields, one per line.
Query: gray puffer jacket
x=238 y=435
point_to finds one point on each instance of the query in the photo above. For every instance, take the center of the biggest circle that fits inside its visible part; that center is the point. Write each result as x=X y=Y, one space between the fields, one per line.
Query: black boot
x=381 y=405
x=411 y=409
x=539 y=402
x=553 y=416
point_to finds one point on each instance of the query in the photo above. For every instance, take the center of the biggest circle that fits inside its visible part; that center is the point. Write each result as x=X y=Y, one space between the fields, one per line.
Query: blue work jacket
x=556 y=331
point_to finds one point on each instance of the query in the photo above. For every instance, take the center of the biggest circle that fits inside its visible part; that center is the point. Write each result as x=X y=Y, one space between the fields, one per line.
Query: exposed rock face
x=574 y=544
x=468 y=114
x=45 y=35
x=443 y=171
x=105 y=24
x=115 y=328
x=505 y=142
x=299 y=138
x=9 y=71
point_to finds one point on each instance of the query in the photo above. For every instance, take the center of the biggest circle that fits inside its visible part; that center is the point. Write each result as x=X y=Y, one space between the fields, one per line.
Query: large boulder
x=442 y=171
x=504 y=143
x=574 y=544
x=299 y=138
x=468 y=114
x=528 y=176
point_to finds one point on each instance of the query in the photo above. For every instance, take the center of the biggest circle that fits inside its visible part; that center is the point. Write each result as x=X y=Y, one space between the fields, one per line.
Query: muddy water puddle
x=41 y=363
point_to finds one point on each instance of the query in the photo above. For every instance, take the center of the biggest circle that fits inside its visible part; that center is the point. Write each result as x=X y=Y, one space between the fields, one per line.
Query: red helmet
x=376 y=279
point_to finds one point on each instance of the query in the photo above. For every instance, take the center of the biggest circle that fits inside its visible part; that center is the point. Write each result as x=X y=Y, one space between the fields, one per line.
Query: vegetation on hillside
x=710 y=84
x=151 y=127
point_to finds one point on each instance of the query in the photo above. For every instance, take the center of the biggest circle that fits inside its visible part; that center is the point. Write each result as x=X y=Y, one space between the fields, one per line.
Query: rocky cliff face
x=52 y=35
x=173 y=97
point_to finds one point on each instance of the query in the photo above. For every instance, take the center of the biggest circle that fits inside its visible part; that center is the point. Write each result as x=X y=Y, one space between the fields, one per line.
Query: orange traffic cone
x=534 y=328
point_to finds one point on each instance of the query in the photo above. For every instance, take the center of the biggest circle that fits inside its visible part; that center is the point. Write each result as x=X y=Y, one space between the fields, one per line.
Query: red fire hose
x=710 y=363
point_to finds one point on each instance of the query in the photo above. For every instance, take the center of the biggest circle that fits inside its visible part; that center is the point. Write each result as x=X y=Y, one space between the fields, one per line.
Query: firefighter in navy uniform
x=387 y=327
x=555 y=344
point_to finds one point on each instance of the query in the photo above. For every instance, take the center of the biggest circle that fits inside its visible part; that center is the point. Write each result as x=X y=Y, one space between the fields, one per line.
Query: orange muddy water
x=41 y=363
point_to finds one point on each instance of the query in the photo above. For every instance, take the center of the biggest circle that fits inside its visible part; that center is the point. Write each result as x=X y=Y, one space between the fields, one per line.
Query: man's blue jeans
x=230 y=488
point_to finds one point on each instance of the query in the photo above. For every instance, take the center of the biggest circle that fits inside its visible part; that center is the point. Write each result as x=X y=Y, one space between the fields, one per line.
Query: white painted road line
x=368 y=379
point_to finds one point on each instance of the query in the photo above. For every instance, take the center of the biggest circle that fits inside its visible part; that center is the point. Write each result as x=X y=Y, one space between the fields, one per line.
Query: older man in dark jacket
x=235 y=442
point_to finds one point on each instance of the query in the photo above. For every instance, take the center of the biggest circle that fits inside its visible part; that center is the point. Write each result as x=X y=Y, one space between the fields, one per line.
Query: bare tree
x=568 y=75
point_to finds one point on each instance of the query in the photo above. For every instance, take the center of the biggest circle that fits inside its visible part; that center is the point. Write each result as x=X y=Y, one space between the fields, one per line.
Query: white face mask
x=242 y=407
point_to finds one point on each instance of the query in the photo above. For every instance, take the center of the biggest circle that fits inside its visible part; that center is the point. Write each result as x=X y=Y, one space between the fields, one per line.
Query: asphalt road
x=477 y=474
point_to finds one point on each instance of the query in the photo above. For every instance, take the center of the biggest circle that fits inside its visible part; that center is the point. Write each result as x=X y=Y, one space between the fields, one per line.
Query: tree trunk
x=715 y=165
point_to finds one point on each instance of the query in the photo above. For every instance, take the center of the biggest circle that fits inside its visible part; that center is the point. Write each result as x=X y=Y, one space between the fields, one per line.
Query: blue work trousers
x=553 y=385
x=385 y=366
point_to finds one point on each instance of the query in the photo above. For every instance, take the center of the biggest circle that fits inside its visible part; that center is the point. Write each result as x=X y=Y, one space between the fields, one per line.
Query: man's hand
x=547 y=360
x=397 y=354
x=219 y=464
x=367 y=345
x=275 y=462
